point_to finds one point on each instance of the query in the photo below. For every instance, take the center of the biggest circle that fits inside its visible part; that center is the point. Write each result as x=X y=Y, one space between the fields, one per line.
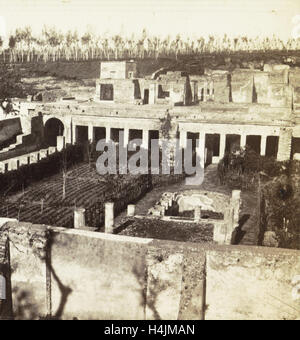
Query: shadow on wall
x=23 y=306
x=148 y=294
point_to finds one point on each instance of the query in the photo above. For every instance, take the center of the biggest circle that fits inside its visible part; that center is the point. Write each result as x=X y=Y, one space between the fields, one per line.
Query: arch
x=53 y=128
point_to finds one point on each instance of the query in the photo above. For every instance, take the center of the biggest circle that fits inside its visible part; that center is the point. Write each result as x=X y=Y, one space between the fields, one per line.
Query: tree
x=10 y=87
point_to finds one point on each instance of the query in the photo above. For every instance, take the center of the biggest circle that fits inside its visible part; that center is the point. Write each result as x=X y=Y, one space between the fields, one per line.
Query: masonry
x=71 y=274
x=222 y=110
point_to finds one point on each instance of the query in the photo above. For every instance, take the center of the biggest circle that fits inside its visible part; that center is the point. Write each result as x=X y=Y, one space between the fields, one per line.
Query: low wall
x=86 y=275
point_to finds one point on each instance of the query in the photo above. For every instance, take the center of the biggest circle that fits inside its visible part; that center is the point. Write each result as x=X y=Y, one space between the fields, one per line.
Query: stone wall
x=9 y=128
x=81 y=274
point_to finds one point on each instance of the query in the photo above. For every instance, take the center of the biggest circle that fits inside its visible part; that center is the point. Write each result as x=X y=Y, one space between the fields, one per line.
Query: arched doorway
x=53 y=128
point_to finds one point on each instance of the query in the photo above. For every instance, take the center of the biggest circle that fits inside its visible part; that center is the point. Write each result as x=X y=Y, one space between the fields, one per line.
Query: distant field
x=194 y=64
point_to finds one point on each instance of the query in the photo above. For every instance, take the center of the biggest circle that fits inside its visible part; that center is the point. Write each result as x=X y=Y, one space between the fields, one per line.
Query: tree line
x=54 y=45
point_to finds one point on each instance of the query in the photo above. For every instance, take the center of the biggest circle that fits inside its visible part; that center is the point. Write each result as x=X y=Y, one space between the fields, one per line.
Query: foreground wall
x=81 y=274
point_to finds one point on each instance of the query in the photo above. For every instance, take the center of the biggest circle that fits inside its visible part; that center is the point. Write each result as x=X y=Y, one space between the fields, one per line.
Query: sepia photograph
x=149 y=162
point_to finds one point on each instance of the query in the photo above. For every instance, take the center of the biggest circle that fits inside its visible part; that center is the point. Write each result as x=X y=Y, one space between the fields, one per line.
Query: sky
x=160 y=17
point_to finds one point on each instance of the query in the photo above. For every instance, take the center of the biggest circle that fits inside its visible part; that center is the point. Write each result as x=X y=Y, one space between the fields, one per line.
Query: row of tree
x=51 y=44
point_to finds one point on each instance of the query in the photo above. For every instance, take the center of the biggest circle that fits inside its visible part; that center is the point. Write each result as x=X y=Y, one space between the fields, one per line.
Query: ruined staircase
x=19 y=141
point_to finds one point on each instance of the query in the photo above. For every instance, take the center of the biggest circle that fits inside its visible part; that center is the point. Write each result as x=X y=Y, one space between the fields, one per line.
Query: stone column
x=222 y=145
x=236 y=204
x=211 y=90
x=200 y=149
x=109 y=217
x=263 y=145
x=108 y=133
x=79 y=218
x=68 y=134
x=243 y=140
x=152 y=93
x=2 y=288
x=91 y=133
x=2 y=168
x=145 y=144
x=131 y=210
x=74 y=133
x=126 y=137
x=60 y=142
x=205 y=87
x=197 y=214
x=12 y=164
x=284 y=144
x=183 y=139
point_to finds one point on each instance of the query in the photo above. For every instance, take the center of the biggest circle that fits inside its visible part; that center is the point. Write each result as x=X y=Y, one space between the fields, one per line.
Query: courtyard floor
x=248 y=233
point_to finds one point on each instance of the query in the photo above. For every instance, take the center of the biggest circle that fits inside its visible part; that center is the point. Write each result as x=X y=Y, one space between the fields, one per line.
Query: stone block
x=296 y=157
x=34 y=157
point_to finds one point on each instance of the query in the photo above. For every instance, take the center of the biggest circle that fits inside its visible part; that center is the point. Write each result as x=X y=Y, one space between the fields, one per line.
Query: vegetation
x=241 y=169
x=169 y=230
x=277 y=184
x=53 y=45
x=10 y=86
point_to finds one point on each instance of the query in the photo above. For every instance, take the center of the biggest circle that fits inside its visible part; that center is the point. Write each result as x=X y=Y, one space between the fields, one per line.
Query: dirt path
x=249 y=214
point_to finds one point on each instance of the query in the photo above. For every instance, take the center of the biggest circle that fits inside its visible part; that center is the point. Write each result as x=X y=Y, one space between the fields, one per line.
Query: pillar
x=200 y=149
x=243 y=140
x=68 y=134
x=152 y=93
x=145 y=144
x=197 y=214
x=60 y=142
x=183 y=139
x=91 y=133
x=109 y=217
x=211 y=90
x=205 y=87
x=79 y=218
x=33 y=158
x=236 y=203
x=126 y=137
x=2 y=288
x=222 y=145
x=74 y=133
x=263 y=145
x=12 y=164
x=284 y=144
x=108 y=133
x=131 y=210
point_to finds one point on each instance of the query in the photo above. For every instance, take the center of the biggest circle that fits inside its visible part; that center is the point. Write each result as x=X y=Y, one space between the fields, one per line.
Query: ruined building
x=77 y=273
x=222 y=109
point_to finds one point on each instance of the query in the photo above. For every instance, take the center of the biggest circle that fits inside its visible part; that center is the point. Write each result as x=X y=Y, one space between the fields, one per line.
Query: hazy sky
x=187 y=17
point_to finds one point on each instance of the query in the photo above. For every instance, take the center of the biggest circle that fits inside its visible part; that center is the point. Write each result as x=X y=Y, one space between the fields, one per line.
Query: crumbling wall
x=221 y=87
x=242 y=86
x=123 y=90
x=99 y=276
